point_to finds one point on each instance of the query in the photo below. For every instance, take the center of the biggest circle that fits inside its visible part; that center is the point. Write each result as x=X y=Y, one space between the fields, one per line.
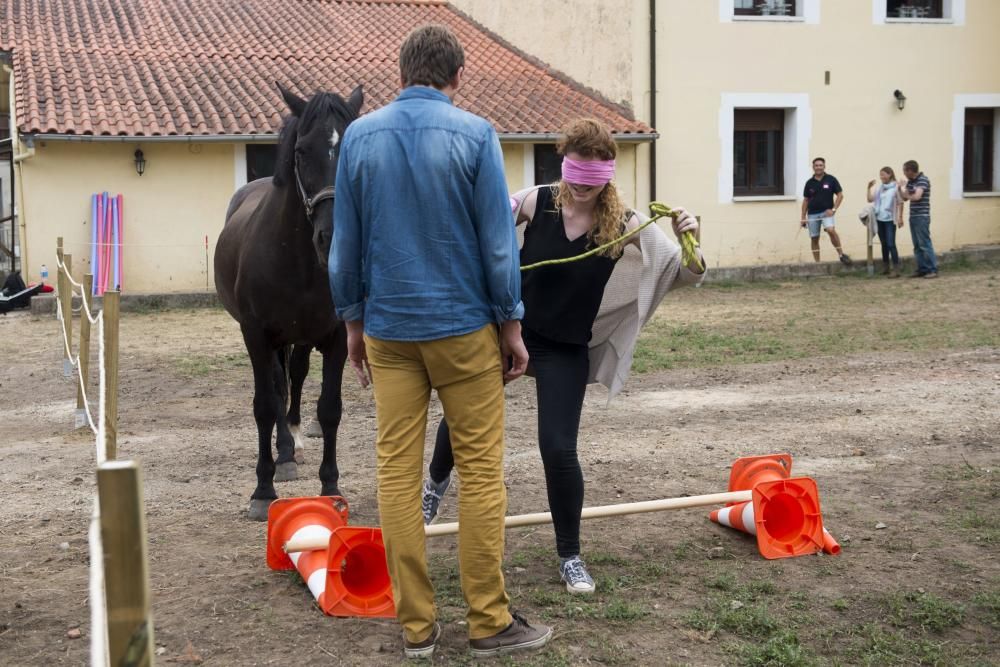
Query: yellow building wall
x=703 y=56
x=168 y=211
x=855 y=124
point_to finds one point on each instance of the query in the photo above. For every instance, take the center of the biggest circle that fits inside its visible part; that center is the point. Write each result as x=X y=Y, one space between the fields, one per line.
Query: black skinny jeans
x=561 y=382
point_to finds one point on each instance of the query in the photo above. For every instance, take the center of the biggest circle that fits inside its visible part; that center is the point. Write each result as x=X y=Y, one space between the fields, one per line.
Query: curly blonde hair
x=589 y=138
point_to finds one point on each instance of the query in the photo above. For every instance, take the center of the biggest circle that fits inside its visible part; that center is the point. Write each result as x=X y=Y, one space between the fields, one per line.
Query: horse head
x=308 y=148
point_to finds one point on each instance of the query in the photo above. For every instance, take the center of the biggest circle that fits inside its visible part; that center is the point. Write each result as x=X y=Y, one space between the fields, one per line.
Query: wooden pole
x=66 y=301
x=126 y=569
x=311 y=544
x=111 y=305
x=84 y=353
x=871 y=259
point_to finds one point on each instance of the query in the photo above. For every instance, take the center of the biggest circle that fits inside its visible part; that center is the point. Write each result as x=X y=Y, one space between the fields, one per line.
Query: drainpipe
x=16 y=159
x=652 y=98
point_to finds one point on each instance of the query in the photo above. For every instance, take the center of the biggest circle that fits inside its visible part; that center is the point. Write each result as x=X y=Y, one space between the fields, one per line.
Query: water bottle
x=45 y=273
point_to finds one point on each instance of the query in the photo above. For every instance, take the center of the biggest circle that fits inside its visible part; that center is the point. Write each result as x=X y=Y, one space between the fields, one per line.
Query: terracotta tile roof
x=196 y=67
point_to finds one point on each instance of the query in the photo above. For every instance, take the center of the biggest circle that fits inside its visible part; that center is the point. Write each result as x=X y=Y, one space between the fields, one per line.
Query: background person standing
x=916 y=189
x=821 y=197
x=888 y=216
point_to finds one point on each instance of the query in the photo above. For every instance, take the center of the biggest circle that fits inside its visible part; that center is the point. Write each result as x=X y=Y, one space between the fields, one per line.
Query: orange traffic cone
x=350 y=577
x=784 y=513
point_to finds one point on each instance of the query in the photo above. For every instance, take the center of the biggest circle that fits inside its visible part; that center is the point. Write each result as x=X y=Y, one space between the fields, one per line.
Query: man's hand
x=803 y=223
x=684 y=221
x=513 y=353
x=829 y=213
x=356 y=352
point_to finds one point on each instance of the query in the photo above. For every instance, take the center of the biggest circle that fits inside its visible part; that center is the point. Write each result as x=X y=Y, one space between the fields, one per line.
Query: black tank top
x=560 y=301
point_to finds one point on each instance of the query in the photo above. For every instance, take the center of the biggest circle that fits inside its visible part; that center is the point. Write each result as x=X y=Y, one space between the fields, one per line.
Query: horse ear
x=357 y=99
x=294 y=102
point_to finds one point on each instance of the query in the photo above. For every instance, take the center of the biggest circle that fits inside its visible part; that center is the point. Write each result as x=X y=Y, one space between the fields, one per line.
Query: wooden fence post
x=66 y=299
x=111 y=305
x=84 y=354
x=126 y=568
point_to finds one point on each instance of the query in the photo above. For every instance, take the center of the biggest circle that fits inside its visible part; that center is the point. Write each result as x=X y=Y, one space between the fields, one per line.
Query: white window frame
x=796 y=136
x=529 y=165
x=953 y=10
x=239 y=165
x=807 y=11
x=963 y=102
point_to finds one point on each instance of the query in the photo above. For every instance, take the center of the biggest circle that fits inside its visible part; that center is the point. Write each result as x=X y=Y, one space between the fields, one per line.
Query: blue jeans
x=887 y=239
x=923 y=249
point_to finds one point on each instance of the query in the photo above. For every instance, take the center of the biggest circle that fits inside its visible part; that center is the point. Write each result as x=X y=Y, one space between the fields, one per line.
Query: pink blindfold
x=588 y=172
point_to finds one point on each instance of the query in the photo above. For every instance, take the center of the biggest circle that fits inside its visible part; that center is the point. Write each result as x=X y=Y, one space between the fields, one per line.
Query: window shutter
x=758 y=120
x=979 y=116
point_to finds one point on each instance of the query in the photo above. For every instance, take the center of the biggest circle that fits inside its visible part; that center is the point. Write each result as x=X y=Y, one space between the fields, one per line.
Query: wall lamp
x=140 y=161
x=900 y=98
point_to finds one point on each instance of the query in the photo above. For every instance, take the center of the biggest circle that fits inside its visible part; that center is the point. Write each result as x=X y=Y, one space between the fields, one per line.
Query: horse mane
x=320 y=105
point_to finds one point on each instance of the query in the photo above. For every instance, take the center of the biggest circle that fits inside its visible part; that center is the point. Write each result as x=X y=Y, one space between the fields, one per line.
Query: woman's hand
x=871 y=182
x=684 y=222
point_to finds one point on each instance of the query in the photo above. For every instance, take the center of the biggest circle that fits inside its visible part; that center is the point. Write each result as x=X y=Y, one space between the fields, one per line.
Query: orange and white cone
x=784 y=515
x=349 y=577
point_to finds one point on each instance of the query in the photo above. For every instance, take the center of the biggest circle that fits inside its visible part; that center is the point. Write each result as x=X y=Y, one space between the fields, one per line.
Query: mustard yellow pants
x=465 y=370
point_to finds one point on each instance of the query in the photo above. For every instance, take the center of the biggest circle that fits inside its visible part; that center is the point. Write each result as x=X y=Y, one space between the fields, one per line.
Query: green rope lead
x=659 y=210
x=689 y=244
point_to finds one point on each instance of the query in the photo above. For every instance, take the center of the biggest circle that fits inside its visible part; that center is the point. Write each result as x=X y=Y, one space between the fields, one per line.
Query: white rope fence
x=119 y=598
x=85 y=311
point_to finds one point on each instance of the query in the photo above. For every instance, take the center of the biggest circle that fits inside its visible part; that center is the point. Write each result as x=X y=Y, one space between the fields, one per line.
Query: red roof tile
x=196 y=67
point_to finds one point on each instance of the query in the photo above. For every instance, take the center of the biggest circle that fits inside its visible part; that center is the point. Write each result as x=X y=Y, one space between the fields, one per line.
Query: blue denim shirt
x=424 y=245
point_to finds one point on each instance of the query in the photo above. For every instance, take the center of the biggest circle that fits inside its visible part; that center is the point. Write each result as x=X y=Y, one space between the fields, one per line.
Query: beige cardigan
x=637 y=286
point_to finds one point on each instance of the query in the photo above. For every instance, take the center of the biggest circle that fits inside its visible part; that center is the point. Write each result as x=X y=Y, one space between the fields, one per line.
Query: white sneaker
x=574 y=572
x=430 y=501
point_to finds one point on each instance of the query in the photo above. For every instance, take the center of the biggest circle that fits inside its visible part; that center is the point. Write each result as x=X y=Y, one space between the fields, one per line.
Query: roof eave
x=551 y=137
x=169 y=138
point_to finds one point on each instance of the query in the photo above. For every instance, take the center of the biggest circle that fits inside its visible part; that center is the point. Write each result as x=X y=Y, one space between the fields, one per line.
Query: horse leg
x=298 y=369
x=329 y=409
x=286 y=469
x=266 y=408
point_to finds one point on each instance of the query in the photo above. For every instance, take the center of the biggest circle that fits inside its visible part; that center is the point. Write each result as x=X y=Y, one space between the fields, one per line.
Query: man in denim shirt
x=423 y=271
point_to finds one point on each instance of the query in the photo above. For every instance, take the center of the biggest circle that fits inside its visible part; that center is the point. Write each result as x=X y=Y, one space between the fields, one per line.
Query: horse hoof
x=314 y=430
x=258 y=509
x=299 y=458
x=286 y=472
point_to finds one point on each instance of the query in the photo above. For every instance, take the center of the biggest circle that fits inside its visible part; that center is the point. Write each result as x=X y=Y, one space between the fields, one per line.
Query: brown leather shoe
x=424 y=649
x=518 y=636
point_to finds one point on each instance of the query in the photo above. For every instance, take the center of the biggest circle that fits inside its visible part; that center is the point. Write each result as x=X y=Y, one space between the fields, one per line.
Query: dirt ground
x=903 y=445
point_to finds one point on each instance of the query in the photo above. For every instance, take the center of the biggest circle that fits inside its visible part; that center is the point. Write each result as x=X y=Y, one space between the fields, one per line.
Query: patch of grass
x=884 y=647
x=989 y=602
x=750 y=621
x=201 y=365
x=740 y=323
x=840 y=604
x=622 y=610
x=696 y=345
x=529 y=556
x=923 y=610
x=781 y=650
x=986 y=526
x=744 y=591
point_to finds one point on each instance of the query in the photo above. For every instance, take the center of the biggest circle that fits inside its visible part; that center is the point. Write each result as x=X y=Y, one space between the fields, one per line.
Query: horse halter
x=329 y=192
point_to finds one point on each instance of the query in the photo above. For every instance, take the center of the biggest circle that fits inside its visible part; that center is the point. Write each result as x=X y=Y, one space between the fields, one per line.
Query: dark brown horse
x=271 y=275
